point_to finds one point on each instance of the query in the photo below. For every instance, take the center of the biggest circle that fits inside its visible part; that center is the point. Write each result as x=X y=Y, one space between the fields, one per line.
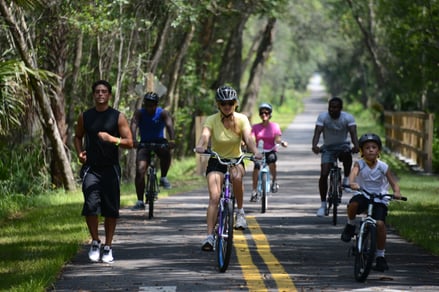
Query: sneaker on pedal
x=241 y=223
x=254 y=196
x=140 y=205
x=321 y=212
x=274 y=187
x=208 y=243
x=95 y=251
x=165 y=183
x=107 y=255
x=381 y=264
x=348 y=232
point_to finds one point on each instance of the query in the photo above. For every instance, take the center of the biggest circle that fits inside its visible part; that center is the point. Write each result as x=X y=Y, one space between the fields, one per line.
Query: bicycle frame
x=264 y=177
x=152 y=188
x=334 y=193
x=224 y=228
x=365 y=240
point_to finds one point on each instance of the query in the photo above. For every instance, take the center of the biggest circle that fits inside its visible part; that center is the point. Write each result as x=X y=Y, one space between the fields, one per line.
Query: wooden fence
x=410 y=136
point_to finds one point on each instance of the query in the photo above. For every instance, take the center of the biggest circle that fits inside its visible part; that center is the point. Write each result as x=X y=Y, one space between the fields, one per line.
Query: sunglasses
x=229 y=103
x=264 y=113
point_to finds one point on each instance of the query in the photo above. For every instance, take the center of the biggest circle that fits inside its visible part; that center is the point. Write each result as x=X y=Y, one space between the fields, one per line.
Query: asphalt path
x=286 y=249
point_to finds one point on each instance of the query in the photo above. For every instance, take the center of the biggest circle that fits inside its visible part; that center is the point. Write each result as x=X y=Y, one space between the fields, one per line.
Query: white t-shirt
x=374 y=179
x=335 y=131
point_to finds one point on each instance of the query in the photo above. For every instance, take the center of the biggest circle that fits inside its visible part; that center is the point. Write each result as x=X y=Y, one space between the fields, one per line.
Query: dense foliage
x=382 y=54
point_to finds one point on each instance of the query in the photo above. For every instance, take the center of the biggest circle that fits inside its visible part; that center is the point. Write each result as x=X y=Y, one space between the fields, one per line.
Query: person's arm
x=251 y=144
x=203 y=141
x=393 y=184
x=354 y=138
x=125 y=140
x=315 y=139
x=79 y=134
x=354 y=172
x=169 y=124
x=134 y=126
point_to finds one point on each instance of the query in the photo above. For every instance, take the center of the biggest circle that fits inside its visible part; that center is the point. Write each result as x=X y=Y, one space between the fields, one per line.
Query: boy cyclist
x=373 y=175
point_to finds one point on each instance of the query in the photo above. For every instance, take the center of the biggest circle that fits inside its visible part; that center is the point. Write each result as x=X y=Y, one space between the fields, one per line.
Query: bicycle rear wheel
x=264 y=196
x=365 y=252
x=224 y=237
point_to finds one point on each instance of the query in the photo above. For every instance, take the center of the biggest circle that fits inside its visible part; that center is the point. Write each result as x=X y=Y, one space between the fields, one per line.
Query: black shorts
x=214 y=165
x=379 y=209
x=144 y=154
x=270 y=157
x=101 y=189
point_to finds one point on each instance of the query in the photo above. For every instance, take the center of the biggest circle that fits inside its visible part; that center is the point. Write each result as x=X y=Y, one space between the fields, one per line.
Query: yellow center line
x=251 y=273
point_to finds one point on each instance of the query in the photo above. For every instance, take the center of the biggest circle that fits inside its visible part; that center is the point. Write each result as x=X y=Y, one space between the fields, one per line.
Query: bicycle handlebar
x=227 y=161
x=153 y=145
x=379 y=196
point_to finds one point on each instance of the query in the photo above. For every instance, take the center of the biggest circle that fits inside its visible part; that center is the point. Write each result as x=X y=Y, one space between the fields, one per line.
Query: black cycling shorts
x=379 y=209
x=270 y=157
x=214 y=165
x=101 y=189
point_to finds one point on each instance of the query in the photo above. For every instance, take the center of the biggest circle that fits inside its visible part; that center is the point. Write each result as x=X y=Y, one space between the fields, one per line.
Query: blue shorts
x=379 y=209
x=330 y=153
x=101 y=189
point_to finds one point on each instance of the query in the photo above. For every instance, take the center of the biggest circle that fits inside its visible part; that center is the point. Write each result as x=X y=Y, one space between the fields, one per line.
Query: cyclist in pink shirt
x=270 y=133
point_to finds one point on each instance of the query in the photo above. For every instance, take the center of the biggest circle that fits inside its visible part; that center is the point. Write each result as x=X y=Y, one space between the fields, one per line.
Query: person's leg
x=141 y=166
x=236 y=174
x=92 y=225
x=255 y=177
x=165 y=161
x=110 y=228
x=214 y=183
x=346 y=158
x=323 y=180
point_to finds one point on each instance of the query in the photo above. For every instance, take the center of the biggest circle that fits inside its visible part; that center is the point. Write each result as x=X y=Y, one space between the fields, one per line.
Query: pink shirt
x=267 y=134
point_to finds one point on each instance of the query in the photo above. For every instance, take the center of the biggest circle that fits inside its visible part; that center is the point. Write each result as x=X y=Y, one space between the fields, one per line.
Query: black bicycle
x=335 y=191
x=364 y=246
x=152 y=188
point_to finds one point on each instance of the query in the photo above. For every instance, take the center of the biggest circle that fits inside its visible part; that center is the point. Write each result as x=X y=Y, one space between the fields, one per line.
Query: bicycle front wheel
x=365 y=251
x=151 y=193
x=264 y=196
x=224 y=237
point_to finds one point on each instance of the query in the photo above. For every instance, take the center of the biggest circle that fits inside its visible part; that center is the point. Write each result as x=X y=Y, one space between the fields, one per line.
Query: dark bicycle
x=224 y=227
x=335 y=190
x=152 y=188
x=364 y=246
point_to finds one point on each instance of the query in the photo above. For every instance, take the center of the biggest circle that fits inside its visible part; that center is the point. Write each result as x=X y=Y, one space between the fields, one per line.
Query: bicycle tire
x=365 y=252
x=152 y=181
x=264 y=196
x=224 y=237
x=335 y=195
x=329 y=196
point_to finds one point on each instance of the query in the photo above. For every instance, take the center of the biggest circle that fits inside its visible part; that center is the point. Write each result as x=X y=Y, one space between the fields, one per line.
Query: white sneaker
x=254 y=197
x=241 y=223
x=95 y=251
x=107 y=255
x=321 y=212
x=208 y=243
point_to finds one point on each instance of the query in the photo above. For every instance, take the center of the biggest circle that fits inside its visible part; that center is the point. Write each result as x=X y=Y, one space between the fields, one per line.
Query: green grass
x=38 y=234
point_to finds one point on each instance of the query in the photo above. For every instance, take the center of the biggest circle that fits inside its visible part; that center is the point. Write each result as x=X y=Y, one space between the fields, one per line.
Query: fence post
x=428 y=149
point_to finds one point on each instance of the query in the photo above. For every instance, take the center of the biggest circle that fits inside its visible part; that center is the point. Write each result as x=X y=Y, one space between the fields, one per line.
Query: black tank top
x=100 y=153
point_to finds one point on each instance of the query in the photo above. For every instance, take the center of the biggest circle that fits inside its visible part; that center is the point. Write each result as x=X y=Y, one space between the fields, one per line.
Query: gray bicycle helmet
x=369 y=137
x=266 y=106
x=151 y=96
x=226 y=93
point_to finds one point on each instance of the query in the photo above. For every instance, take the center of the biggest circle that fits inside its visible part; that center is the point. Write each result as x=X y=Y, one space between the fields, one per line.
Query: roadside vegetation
x=40 y=233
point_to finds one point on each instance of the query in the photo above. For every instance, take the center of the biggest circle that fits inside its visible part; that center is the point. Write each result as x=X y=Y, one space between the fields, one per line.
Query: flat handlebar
x=379 y=196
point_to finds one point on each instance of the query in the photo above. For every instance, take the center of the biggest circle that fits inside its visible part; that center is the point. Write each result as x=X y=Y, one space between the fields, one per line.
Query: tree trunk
x=47 y=117
x=251 y=93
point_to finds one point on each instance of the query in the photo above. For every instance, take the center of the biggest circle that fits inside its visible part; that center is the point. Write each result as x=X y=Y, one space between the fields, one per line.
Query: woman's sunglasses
x=229 y=103
x=264 y=113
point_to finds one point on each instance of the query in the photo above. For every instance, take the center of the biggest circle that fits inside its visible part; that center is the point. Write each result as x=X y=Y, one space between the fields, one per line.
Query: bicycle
x=152 y=188
x=333 y=197
x=264 y=178
x=224 y=227
x=364 y=245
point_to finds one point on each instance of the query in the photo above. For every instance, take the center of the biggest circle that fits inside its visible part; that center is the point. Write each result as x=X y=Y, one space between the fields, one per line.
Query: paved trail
x=303 y=253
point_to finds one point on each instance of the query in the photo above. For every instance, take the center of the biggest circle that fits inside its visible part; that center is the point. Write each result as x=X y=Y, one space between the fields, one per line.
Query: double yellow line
x=252 y=275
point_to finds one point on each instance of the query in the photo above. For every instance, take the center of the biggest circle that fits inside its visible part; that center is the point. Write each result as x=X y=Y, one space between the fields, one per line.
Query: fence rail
x=410 y=136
